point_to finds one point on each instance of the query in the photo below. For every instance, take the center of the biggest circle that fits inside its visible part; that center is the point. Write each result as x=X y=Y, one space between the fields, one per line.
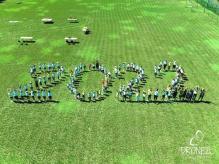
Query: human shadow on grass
x=35 y=101
x=53 y=84
x=94 y=101
x=100 y=98
x=120 y=77
x=160 y=75
x=51 y=22
x=72 y=43
x=167 y=102
x=87 y=32
x=27 y=43
x=87 y=99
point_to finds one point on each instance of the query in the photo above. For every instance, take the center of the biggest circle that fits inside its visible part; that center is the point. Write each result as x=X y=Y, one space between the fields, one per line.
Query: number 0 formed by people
x=46 y=76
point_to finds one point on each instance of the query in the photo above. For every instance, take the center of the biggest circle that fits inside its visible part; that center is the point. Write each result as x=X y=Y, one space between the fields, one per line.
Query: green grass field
x=140 y=31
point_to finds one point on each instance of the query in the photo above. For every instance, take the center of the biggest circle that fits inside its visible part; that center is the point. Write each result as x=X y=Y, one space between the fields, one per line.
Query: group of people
x=44 y=68
x=167 y=66
x=131 y=67
x=180 y=73
x=178 y=80
x=133 y=87
x=174 y=92
x=44 y=75
x=93 y=95
x=168 y=94
x=27 y=94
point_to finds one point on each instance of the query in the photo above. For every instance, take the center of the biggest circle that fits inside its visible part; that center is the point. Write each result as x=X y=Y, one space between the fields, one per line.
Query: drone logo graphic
x=195 y=147
x=197 y=138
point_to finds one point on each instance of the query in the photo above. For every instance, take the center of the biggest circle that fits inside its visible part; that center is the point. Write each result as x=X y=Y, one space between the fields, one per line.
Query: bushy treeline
x=212 y=5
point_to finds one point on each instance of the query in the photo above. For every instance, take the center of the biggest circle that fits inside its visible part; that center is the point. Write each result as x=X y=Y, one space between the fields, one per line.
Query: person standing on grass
x=49 y=67
x=31 y=71
x=52 y=66
x=49 y=95
x=10 y=94
x=49 y=78
x=40 y=67
x=129 y=94
x=94 y=96
x=138 y=96
x=27 y=94
x=97 y=65
x=44 y=95
x=84 y=67
x=25 y=87
x=58 y=65
x=156 y=94
x=181 y=94
x=45 y=80
x=191 y=95
x=89 y=97
x=36 y=82
x=15 y=94
x=83 y=96
x=174 y=93
x=123 y=95
x=32 y=94
x=194 y=95
x=21 y=93
x=202 y=94
x=62 y=70
x=118 y=95
x=158 y=69
x=30 y=85
x=161 y=64
x=58 y=74
x=116 y=72
x=40 y=81
x=149 y=94
x=164 y=65
x=53 y=77
x=155 y=71
x=89 y=67
x=44 y=67
x=163 y=95
x=174 y=65
x=93 y=66
x=39 y=95
x=185 y=93
x=168 y=93
x=98 y=95
x=144 y=96
x=169 y=66
x=188 y=95
x=137 y=81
